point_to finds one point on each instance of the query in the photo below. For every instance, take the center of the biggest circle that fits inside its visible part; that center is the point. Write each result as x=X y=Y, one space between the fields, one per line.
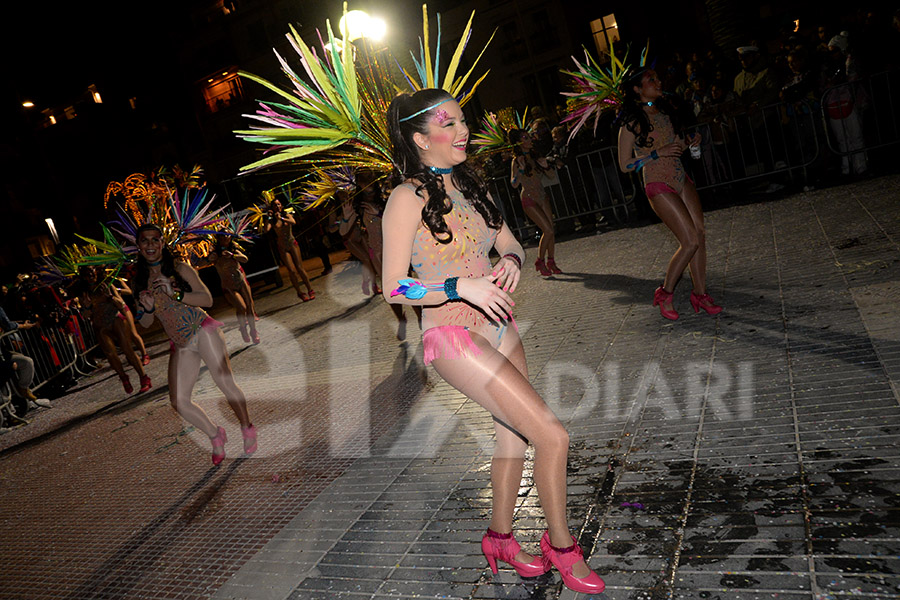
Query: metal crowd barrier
x=787 y=139
x=591 y=183
x=54 y=350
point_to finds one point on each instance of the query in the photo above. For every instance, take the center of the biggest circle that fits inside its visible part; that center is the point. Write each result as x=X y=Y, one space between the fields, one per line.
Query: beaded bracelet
x=450 y=288
x=178 y=295
x=654 y=155
x=514 y=257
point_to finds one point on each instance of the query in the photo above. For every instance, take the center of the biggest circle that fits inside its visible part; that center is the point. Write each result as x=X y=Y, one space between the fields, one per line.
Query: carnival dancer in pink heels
x=649 y=141
x=227 y=258
x=173 y=292
x=441 y=222
x=281 y=222
x=527 y=168
x=109 y=317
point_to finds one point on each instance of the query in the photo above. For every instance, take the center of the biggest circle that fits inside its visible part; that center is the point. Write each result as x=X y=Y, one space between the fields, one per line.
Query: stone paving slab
x=750 y=455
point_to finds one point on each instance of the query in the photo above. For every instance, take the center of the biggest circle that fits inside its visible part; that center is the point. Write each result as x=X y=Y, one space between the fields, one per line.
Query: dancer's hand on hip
x=486 y=295
x=507 y=274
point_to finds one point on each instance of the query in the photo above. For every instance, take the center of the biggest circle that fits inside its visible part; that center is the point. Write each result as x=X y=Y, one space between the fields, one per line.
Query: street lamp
x=358 y=24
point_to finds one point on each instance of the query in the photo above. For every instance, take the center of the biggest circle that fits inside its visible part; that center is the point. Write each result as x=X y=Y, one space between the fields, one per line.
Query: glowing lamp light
x=52 y=229
x=28 y=104
x=97 y=99
x=353 y=25
x=358 y=24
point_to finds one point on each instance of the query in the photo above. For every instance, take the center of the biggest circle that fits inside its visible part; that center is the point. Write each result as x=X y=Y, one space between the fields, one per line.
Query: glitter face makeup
x=441 y=116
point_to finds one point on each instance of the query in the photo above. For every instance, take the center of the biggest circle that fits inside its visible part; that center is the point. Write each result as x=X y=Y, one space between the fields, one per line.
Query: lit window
x=606 y=33
x=222 y=91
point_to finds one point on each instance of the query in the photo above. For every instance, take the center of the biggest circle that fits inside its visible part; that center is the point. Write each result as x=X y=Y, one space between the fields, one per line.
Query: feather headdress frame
x=597 y=88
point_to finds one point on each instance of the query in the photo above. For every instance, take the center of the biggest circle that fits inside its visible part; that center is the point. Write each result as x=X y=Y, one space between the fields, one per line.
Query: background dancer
x=648 y=131
x=281 y=221
x=527 y=168
x=173 y=292
x=107 y=311
x=442 y=222
x=227 y=258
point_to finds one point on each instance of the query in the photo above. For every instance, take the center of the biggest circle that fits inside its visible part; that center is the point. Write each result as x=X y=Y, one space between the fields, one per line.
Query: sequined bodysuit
x=180 y=321
x=467 y=255
x=666 y=170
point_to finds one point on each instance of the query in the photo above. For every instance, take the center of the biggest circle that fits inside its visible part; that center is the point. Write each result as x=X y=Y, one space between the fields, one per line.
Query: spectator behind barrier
x=22 y=366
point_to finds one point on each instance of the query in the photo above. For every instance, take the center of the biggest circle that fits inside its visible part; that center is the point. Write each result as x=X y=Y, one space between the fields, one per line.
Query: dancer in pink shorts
x=441 y=222
x=649 y=141
x=173 y=292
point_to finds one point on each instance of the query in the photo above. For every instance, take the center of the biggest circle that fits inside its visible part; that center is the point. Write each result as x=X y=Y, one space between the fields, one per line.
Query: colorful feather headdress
x=339 y=114
x=597 y=88
x=428 y=71
x=495 y=128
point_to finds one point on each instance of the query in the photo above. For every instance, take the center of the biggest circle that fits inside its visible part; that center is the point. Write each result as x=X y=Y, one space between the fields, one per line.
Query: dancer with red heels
x=281 y=222
x=649 y=140
x=227 y=258
x=441 y=222
x=173 y=292
x=527 y=168
x=107 y=310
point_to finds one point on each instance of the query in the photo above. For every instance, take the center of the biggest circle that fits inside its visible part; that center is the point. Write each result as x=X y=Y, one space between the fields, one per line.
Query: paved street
x=751 y=455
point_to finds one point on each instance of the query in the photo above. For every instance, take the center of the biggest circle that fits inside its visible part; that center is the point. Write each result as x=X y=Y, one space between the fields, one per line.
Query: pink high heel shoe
x=551 y=264
x=563 y=559
x=504 y=546
x=660 y=298
x=705 y=302
x=249 y=433
x=146 y=384
x=219 y=442
x=541 y=267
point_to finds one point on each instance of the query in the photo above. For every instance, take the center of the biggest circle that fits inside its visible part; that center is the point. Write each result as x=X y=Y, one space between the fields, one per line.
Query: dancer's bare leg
x=494 y=381
x=108 y=346
x=298 y=264
x=674 y=214
x=215 y=354
x=240 y=310
x=247 y=295
x=698 y=261
x=122 y=332
x=184 y=368
x=292 y=271
x=132 y=330
x=545 y=224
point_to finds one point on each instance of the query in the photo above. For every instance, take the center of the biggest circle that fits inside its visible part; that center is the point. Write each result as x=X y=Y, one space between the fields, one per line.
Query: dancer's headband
x=424 y=110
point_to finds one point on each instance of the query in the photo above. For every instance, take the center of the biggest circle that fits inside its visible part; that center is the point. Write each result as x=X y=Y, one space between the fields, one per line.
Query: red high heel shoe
x=249 y=433
x=705 y=302
x=563 y=559
x=126 y=384
x=541 y=266
x=660 y=298
x=504 y=546
x=551 y=264
x=146 y=359
x=219 y=442
x=145 y=383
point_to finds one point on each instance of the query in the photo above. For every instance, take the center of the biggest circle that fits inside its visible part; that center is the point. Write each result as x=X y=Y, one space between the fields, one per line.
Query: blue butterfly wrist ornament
x=414 y=290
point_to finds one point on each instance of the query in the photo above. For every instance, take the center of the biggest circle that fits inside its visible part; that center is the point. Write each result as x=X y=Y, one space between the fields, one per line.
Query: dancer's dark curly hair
x=633 y=117
x=406 y=157
x=515 y=138
x=142 y=272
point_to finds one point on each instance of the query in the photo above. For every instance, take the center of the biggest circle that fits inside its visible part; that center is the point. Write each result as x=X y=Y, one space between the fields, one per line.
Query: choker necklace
x=154 y=264
x=441 y=171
